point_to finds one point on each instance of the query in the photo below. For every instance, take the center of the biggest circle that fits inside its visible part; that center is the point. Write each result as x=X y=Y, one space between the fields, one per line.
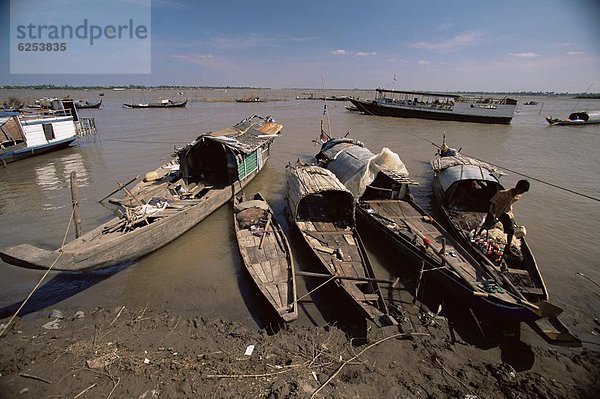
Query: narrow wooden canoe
x=266 y=254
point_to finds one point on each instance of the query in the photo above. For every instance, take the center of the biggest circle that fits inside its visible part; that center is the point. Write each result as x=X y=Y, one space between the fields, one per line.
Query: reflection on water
x=201 y=272
x=46 y=190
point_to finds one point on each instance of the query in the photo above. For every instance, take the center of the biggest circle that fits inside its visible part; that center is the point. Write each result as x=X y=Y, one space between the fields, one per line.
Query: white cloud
x=449 y=45
x=575 y=53
x=525 y=55
x=356 y=53
x=423 y=62
x=198 y=59
x=255 y=40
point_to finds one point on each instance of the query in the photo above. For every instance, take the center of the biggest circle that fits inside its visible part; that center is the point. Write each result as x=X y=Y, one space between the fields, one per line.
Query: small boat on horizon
x=576 y=119
x=438 y=106
x=266 y=254
x=84 y=104
x=166 y=103
x=254 y=99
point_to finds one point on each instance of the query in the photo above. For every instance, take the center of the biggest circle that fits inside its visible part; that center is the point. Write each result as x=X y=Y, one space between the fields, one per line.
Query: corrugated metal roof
x=246 y=136
x=452 y=174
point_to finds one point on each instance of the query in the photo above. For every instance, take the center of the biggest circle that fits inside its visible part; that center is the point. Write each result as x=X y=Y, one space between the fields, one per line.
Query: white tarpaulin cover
x=356 y=166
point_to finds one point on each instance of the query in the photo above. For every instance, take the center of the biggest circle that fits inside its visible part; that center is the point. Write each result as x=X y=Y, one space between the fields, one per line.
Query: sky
x=462 y=45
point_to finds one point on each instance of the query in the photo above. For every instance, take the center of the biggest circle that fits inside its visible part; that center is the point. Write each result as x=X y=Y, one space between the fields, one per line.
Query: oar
x=121 y=186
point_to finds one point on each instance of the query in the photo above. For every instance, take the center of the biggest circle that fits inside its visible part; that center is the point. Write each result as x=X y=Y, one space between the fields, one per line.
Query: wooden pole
x=120 y=187
x=419 y=282
x=262 y=239
x=75 y=203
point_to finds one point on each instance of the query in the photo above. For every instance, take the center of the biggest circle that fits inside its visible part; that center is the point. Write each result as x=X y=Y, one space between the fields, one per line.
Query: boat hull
x=269 y=262
x=173 y=105
x=82 y=254
x=459 y=234
x=493 y=306
x=26 y=152
x=373 y=108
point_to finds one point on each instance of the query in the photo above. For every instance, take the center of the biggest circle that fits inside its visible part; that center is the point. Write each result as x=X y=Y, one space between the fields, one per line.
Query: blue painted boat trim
x=39 y=149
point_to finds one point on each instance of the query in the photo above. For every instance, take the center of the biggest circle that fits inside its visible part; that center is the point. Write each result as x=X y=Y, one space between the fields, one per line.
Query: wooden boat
x=254 y=99
x=167 y=103
x=323 y=211
x=87 y=105
x=24 y=135
x=172 y=199
x=266 y=254
x=463 y=187
x=381 y=184
x=438 y=106
x=576 y=119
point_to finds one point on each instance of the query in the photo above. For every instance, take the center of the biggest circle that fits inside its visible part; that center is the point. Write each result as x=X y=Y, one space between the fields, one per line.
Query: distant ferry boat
x=439 y=106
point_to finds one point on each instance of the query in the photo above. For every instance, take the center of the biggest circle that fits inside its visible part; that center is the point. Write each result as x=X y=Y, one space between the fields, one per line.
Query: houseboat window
x=48 y=131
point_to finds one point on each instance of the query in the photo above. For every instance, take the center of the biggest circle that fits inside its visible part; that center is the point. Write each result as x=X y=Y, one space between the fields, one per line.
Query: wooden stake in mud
x=419 y=282
x=75 y=203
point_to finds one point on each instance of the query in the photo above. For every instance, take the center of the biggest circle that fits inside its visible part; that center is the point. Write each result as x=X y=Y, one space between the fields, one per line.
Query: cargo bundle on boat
x=172 y=199
x=266 y=254
x=439 y=106
x=23 y=135
x=381 y=184
x=323 y=211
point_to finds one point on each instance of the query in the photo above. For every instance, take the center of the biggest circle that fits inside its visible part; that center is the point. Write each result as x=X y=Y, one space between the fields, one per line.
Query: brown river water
x=201 y=272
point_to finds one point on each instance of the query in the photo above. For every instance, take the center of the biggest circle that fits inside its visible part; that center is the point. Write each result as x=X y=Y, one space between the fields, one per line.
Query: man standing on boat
x=501 y=210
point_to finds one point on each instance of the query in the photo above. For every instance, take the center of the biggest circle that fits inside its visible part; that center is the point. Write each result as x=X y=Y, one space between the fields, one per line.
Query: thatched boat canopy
x=315 y=193
x=228 y=155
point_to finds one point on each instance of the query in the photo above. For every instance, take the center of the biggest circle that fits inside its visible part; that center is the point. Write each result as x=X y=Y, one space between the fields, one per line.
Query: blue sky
x=538 y=45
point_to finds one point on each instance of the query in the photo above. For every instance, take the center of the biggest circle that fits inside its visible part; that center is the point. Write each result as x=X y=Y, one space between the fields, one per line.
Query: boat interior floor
x=336 y=246
x=402 y=218
x=269 y=265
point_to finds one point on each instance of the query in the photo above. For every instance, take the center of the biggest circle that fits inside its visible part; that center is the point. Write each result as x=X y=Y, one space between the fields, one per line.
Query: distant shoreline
x=165 y=87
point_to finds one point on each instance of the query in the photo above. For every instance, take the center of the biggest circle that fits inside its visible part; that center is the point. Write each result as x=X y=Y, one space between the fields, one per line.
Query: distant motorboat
x=166 y=103
x=576 y=118
x=531 y=103
x=438 y=106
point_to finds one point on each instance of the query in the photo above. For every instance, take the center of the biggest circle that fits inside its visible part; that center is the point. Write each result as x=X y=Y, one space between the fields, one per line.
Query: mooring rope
x=5 y=327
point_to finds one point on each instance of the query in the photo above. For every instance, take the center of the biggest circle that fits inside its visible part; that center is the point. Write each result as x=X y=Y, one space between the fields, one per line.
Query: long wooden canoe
x=323 y=211
x=266 y=254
